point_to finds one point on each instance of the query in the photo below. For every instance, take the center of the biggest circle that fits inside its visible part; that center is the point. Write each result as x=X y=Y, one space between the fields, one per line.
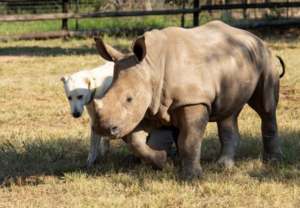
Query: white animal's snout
x=76 y=114
x=76 y=109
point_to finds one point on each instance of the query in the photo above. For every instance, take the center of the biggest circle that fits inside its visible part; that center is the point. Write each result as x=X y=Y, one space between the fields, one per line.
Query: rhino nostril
x=114 y=128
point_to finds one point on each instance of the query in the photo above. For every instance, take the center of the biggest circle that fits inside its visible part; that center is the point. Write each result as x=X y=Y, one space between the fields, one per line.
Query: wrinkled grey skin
x=186 y=78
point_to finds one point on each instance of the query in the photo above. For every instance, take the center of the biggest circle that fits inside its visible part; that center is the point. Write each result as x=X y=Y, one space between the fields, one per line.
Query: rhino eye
x=129 y=99
x=69 y=98
x=79 y=97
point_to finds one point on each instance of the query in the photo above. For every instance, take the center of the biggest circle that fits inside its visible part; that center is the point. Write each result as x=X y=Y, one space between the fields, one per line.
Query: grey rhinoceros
x=186 y=78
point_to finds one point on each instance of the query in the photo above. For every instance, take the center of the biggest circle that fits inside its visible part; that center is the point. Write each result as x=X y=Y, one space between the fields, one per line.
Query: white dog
x=81 y=88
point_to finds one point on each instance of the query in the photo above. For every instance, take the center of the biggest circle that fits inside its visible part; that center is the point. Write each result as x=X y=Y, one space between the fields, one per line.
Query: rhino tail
x=283 y=66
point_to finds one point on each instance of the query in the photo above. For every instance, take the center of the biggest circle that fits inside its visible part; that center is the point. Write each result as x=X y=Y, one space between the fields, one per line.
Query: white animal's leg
x=94 y=147
x=104 y=147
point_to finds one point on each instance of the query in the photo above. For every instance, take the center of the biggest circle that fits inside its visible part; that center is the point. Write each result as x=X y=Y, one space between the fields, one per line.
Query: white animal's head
x=79 y=89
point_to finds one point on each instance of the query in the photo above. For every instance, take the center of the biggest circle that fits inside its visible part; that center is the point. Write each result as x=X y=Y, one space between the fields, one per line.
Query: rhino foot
x=158 y=163
x=190 y=174
x=273 y=158
x=225 y=161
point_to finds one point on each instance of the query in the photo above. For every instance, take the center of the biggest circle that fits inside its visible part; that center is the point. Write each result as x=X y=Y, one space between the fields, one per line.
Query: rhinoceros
x=186 y=78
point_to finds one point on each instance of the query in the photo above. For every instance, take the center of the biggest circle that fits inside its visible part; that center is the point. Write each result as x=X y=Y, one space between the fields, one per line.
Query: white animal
x=81 y=88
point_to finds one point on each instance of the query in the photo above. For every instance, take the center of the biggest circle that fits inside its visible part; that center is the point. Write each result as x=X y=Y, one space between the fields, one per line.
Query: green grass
x=43 y=150
x=9 y=28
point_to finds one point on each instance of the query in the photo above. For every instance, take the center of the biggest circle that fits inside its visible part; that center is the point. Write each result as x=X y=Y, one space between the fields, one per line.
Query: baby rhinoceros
x=186 y=78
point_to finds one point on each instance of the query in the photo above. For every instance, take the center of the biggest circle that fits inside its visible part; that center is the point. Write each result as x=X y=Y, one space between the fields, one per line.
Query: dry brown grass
x=43 y=150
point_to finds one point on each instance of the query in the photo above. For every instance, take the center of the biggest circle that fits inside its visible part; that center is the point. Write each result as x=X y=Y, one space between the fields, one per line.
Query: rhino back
x=215 y=65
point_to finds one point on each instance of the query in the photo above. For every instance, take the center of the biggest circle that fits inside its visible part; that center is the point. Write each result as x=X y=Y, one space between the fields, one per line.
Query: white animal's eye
x=79 y=97
x=69 y=98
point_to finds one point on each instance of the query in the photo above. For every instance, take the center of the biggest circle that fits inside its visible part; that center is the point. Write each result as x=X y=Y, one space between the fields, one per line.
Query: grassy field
x=43 y=150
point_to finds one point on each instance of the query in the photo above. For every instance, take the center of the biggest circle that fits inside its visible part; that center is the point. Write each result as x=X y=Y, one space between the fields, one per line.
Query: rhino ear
x=105 y=51
x=139 y=48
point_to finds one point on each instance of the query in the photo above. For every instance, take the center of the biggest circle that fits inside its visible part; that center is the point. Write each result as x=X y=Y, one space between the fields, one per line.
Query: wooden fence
x=195 y=11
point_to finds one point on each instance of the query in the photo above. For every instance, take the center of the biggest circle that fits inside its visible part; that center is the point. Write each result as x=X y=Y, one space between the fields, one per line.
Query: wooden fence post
x=182 y=16
x=245 y=10
x=77 y=7
x=196 y=14
x=65 y=6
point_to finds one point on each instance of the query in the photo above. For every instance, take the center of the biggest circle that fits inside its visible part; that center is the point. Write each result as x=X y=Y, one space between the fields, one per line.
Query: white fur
x=75 y=86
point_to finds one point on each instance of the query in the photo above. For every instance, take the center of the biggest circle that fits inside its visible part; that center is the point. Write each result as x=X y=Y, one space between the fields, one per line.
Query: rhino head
x=130 y=94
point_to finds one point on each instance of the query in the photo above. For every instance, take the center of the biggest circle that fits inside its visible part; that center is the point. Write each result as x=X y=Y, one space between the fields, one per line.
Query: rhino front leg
x=193 y=121
x=230 y=140
x=136 y=141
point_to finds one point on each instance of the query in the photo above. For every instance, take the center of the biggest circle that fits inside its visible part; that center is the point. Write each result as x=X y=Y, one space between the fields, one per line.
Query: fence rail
x=23 y=0
x=195 y=11
x=77 y=33
x=9 y=18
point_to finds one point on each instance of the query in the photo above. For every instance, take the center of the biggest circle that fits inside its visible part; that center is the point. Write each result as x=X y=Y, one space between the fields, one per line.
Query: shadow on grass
x=52 y=51
x=23 y=164
x=252 y=148
x=45 y=51
x=52 y=158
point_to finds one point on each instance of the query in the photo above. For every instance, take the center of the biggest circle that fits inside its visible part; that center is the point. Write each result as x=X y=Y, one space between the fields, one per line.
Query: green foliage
x=176 y=2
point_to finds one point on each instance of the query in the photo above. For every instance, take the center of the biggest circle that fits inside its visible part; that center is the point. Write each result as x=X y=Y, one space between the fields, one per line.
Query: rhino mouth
x=111 y=132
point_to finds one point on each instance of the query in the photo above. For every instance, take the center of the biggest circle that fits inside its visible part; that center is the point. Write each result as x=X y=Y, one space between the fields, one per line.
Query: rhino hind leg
x=230 y=140
x=264 y=101
x=193 y=121
x=272 y=151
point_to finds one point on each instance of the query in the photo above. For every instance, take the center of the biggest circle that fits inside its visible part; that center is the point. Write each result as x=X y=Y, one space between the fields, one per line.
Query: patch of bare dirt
x=11 y=58
x=290 y=93
x=291 y=31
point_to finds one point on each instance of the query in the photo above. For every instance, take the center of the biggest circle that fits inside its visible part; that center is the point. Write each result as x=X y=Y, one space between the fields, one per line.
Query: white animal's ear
x=64 y=79
x=139 y=48
x=105 y=51
x=87 y=81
